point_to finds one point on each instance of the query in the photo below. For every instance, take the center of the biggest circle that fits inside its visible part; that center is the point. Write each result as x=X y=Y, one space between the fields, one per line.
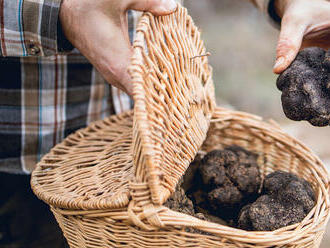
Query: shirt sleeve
x=31 y=28
x=267 y=7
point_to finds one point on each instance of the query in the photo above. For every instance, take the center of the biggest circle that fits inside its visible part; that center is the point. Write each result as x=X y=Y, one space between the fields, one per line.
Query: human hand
x=305 y=23
x=98 y=29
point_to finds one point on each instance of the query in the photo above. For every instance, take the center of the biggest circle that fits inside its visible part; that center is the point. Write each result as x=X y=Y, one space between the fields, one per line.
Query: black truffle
x=230 y=178
x=180 y=202
x=286 y=200
x=305 y=87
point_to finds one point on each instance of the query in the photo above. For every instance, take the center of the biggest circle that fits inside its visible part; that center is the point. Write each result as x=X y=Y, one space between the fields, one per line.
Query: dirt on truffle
x=181 y=203
x=305 y=87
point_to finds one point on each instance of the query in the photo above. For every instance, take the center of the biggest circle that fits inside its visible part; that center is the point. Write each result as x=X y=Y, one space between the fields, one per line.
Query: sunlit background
x=242 y=44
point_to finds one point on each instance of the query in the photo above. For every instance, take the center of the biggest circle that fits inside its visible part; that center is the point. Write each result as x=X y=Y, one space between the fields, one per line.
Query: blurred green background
x=242 y=44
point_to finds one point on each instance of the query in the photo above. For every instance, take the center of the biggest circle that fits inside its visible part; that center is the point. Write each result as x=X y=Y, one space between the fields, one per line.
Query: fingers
x=156 y=7
x=119 y=53
x=291 y=36
x=121 y=50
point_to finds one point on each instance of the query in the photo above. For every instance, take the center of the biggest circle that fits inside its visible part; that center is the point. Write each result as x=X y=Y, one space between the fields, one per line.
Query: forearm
x=29 y=28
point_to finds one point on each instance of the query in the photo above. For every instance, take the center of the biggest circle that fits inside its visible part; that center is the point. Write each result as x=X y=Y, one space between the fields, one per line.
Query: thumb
x=120 y=50
x=156 y=7
x=289 y=43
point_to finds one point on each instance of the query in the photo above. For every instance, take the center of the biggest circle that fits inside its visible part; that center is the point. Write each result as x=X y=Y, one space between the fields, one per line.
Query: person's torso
x=43 y=99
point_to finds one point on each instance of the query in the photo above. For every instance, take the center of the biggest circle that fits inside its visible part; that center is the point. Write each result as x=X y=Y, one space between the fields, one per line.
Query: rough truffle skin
x=229 y=179
x=305 y=87
x=286 y=200
x=180 y=202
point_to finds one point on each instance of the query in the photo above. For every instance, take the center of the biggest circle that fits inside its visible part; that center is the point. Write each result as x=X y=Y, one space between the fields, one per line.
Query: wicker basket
x=106 y=184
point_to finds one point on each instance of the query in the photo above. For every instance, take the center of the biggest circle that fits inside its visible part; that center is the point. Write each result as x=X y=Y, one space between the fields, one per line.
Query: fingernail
x=279 y=61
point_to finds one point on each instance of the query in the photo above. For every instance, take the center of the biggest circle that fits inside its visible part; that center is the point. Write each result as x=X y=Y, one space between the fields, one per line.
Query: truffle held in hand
x=286 y=200
x=229 y=178
x=305 y=87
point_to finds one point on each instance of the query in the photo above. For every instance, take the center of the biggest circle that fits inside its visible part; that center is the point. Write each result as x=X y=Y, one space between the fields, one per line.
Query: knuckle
x=285 y=45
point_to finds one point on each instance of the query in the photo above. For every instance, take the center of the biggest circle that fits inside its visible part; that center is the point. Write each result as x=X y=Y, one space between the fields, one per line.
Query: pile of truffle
x=305 y=87
x=227 y=184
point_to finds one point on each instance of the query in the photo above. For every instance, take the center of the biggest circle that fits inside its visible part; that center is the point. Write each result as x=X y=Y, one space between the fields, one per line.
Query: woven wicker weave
x=106 y=183
x=174 y=100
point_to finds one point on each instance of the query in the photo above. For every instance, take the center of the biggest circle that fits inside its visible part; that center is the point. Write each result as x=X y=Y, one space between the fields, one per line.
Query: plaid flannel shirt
x=47 y=88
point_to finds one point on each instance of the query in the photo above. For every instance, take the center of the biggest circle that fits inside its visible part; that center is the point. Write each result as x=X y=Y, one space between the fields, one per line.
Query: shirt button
x=33 y=49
